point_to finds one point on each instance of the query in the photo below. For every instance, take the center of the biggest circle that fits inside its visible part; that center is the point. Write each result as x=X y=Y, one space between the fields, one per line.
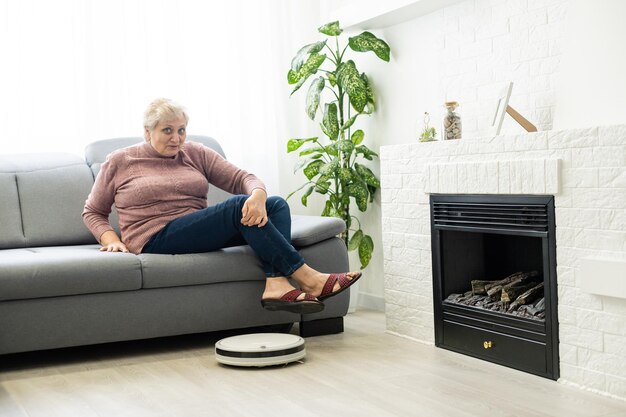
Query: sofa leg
x=321 y=327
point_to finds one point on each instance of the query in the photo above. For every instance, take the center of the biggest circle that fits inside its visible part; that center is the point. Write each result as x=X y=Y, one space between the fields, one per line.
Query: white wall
x=78 y=71
x=592 y=87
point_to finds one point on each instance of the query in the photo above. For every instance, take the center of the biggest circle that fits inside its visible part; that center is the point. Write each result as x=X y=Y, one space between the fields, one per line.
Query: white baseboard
x=371 y=301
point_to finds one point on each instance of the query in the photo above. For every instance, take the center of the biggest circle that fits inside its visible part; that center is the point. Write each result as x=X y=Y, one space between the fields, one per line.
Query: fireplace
x=494 y=279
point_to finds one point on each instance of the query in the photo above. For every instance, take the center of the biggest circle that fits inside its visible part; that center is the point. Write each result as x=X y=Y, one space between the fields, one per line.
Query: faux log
x=511 y=291
x=480 y=287
x=527 y=297
x=494 y=289
x=536 y=309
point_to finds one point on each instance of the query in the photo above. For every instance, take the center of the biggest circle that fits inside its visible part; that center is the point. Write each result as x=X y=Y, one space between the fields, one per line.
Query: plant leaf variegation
x=335 y=168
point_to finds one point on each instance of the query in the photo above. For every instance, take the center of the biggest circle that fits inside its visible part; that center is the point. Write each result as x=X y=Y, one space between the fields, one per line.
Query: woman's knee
x=276 y=203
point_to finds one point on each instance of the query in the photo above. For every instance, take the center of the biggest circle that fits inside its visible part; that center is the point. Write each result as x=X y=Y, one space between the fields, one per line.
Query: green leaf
x=313 y=169
x=367 y=175
x=332 y=79
x=306 y=195
x=345 y=175
x=366 y=41
x=355 y=240
x=322 y=185
x=306 y=70
x=303 y=53
x=327 y=209
x=294 y=144
x=357 y=137
x=349 y=122
x=345 y=146
x=309 y=151
x=313 y=97
x=358 y=190
x=366 y=247
x=332 y=149
x=349 y=79
x=330 y=121
x=299 y=84
x=330 y=168
x=371 y=101
x=372 y=191
x=366 y=152
x=330 y=29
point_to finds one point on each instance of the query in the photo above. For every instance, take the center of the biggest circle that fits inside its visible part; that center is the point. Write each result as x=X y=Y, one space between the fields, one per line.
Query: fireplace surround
x=585 y=172
x=478 y=239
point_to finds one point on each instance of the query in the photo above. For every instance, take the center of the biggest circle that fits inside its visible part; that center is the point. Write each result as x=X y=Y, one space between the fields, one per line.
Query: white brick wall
x=586 y=172
x=489 y=42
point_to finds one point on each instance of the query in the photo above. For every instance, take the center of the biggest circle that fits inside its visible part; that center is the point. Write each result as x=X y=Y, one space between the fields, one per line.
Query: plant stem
x=333 y=90
x=334 y=61
x=340 y=186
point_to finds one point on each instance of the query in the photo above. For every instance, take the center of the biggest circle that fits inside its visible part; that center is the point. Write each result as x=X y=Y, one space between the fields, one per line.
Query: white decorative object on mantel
x=503 y=107
x=585 y=170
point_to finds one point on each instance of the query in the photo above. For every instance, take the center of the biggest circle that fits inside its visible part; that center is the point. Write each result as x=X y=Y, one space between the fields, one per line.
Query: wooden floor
x=362 y=372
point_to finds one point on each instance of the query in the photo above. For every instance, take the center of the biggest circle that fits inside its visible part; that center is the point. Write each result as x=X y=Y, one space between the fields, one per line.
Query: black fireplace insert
x=494 y=279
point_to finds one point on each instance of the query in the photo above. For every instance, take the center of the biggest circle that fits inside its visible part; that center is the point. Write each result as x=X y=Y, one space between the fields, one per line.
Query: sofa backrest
x=41 y=200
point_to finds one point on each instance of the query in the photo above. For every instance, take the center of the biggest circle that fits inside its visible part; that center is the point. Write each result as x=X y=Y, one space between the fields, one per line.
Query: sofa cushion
x=238 y=263
x=65 y=270
x=307 y=230
x=43 y=198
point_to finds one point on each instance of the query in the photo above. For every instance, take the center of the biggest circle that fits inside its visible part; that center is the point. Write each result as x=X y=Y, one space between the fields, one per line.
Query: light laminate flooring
x=361 y=372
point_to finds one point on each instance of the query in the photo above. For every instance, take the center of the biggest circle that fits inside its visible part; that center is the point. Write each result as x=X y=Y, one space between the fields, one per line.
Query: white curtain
x=75 y=71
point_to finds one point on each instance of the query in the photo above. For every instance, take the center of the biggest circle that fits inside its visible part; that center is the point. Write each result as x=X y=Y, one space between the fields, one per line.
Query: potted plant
x=334 y=163
x=429 y=133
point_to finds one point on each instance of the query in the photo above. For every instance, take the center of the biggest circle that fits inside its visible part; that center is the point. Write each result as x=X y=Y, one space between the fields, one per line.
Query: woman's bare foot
x=276 y=287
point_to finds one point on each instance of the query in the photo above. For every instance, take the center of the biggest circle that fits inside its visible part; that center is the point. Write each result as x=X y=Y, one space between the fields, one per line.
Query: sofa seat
x=65 y=270
x=238 y=263
x=71 y=270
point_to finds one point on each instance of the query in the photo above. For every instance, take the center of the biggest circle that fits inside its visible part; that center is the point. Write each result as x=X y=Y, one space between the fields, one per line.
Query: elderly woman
x=159 y=188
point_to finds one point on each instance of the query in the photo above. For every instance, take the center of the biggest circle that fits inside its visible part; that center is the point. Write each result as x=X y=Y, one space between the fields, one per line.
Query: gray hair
x=162 y=109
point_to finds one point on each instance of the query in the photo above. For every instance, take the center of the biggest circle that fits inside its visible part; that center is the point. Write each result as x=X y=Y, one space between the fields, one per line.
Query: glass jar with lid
x=451 y=122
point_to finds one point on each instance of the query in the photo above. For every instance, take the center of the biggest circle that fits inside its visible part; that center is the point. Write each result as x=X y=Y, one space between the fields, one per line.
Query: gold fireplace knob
x=487 y=344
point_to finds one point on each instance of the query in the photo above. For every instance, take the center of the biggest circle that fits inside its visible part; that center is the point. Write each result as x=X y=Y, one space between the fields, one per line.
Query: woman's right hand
x=114 y=247
x=111 y=242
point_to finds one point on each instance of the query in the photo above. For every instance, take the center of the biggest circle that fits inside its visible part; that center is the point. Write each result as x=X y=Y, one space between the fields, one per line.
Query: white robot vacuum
x=260 y=349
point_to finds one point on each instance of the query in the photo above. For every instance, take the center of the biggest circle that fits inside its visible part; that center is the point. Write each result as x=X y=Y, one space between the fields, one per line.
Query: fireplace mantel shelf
x=376 y=14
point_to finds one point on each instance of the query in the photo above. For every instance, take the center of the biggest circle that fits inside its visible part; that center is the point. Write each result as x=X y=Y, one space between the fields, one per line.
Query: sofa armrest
x=307 y=230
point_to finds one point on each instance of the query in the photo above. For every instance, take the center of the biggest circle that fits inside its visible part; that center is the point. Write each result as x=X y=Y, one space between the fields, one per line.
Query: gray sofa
x=58 y=290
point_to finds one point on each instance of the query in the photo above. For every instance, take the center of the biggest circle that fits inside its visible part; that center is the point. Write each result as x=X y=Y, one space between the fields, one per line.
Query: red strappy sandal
x=344 y=283
x=289 y=302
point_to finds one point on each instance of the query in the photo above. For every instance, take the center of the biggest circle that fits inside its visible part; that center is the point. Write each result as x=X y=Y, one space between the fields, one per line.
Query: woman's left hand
x=253 y=212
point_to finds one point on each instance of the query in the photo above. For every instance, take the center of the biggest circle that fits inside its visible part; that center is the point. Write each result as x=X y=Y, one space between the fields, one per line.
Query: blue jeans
x=219 y=226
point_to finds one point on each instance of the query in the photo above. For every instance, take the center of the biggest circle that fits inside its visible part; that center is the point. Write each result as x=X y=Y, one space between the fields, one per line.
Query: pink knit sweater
x=150 y=190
